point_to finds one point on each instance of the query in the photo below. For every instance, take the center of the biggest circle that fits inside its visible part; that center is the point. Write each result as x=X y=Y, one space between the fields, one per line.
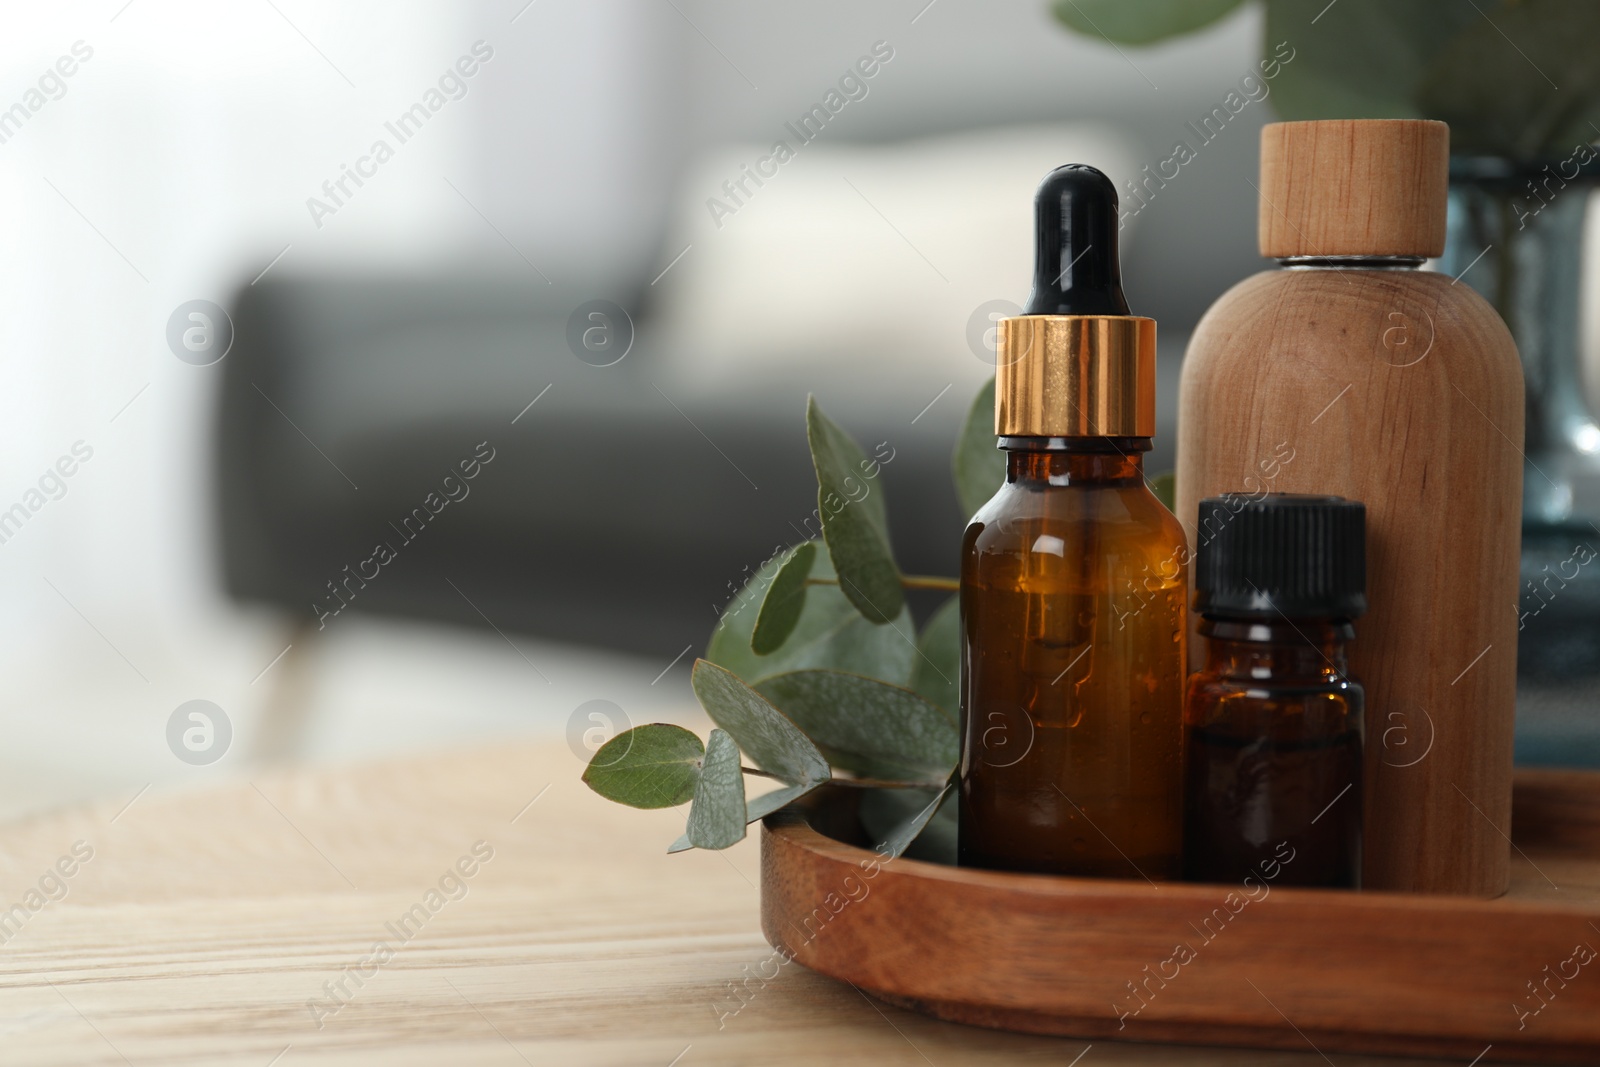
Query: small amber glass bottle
x=1073 y=580
x=1274 y=720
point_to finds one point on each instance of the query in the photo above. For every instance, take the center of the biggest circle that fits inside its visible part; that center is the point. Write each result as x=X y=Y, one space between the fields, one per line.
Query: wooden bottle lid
x=1353 y=187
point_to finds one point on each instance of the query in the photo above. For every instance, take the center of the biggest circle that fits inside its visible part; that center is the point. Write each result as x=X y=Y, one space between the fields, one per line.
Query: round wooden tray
x=1212 y=964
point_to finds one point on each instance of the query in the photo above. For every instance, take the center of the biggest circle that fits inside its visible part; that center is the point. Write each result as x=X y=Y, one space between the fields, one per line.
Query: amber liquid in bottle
x=1274 y=753
x=1073 y=606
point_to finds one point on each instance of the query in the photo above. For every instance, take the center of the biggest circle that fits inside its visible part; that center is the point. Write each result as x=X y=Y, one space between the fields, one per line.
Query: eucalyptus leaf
x=1514 y=78
x=785 y=600
x=716 y=818
x=1165 y=488
x=770 y=739
x=830 y=632
x=895 y=843
x=855 y=523
x=977 y=463
x=758 y=808
x=653 y=766
x=1535 y=98
x=884 y=811
x=867 y=726
x=1140 y=21
x=936 y=675
x=767 y=803
x=1358 y=60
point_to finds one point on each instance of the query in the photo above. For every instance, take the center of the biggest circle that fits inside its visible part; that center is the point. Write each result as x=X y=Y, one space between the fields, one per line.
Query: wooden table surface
x=265 y=922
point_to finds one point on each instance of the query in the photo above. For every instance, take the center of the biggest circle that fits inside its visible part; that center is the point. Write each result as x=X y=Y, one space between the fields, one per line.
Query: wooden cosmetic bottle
x=1352 y=372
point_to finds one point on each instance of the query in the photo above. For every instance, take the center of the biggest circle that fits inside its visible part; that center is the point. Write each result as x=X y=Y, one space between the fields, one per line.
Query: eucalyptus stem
x=855 y=783
x=884 y=783
x=910 y=581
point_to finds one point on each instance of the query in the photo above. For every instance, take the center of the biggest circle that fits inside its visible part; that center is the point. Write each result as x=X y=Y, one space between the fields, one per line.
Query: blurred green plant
x=1513 y=78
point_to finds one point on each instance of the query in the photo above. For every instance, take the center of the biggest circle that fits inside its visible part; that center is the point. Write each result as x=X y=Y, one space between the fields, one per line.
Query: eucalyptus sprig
x=817 y=674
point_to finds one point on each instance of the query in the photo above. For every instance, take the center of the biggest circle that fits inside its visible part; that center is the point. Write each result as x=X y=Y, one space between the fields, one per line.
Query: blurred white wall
x=176 y=165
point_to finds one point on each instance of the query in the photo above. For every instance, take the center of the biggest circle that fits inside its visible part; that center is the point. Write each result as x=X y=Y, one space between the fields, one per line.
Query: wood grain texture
x=1278 y=968
x=206 y=919
x=1353 y=187
x=1401 y=390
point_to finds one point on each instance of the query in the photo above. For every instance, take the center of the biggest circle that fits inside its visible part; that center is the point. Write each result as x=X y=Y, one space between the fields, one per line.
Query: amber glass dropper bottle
x=1273 y=716
x=1073 y=579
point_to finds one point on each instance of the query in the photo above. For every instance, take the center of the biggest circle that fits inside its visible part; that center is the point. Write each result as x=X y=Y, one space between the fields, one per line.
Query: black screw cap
x=1282 y=554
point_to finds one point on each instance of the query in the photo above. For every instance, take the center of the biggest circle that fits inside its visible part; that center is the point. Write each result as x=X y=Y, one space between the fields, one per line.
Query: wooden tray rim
x=1391 y=945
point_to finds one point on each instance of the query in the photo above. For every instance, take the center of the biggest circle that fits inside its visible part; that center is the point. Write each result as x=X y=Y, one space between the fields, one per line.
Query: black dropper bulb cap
x=1075 y=266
